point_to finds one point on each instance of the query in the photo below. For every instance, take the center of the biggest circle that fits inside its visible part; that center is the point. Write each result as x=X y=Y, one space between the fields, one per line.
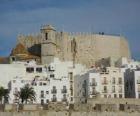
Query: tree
x=27 y=94
x=4 y=93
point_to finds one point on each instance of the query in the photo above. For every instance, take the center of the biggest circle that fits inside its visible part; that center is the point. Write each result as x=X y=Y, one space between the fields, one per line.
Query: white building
x=132 y=83
x=127 y=63
x=108 y=83
x=20 y=69
x=56 y=85
x=87 y=85
x=131 y=70
x=112 y=83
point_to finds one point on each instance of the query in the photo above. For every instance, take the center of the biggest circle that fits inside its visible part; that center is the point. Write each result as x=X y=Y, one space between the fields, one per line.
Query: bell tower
x=48 y=45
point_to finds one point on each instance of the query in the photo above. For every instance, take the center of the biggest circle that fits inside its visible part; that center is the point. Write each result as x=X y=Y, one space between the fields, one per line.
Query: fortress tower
x=48 y=45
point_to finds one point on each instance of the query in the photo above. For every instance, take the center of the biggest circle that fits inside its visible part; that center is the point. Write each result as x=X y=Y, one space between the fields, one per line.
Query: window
x=39 y=69
x=71 y=92
x=46 y=36
x=51 y=75
x=104 y=80
x=93 y=82
x=50 y=68
x=54 y=99
x=120 y=95
x=120 y=89
x=54 y=87
x=44 y=84
x=105 y=89
x=64 y=87
x=113 y=89
x=42 y=94
x=120 y=80
x=42 y=101
x=64 y=90
x=71 y=76
x=113 y=80
x=47 y=92
x=54 y=90
x=22 y=81
x=115 y=95
x=47 y=101
x=29 y=69
x=13 y=59
x=71 y=99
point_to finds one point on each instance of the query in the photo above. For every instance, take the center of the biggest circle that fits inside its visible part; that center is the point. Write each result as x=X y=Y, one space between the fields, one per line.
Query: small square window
x=47 y=92
x=115 y=96
x=44 y=84
x=120 y=95
x=51 y=75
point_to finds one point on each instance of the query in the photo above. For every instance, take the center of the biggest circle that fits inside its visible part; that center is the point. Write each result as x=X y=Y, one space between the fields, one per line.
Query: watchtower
x=48 y=45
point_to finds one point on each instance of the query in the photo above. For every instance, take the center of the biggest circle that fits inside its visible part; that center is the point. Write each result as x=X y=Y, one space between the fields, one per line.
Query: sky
x=108 y=16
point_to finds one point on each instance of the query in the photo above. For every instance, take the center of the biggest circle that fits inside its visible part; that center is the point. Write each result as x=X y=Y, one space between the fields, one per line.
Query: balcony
x=71 y=87
x=120 y=91
x=54 y=91
x=64 y=90
x=93 y=84
x=64 y=99
x=94 y=93
x=104 y=82
x=54 y=99
x=42 y=96
x=138 y=81
x=104 y=91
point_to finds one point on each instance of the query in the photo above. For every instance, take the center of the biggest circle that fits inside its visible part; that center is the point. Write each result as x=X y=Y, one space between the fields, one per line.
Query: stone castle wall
x=89 y=47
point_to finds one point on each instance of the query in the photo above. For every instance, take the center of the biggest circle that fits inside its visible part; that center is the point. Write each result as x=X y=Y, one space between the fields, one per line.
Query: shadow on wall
x=35 y=50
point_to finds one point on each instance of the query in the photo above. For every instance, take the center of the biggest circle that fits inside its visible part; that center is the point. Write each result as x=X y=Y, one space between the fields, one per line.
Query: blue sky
x=109 y=16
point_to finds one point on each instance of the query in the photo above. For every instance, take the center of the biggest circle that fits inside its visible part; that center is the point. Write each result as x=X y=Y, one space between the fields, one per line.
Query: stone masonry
x=84 y=48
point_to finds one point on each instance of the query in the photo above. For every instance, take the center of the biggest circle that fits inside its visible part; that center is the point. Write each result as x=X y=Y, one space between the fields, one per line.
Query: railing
x=120 y=91
x=42 y=96
x=104 y=91
x=54 y=99
x=54 y=91
x=120 y=82
x=93 y=93
x=64 y=99
x=93 y=84
x=105 y=82
x=64 y=90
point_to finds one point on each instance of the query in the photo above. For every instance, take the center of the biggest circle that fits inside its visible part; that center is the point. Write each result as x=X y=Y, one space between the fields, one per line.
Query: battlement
x=90 y=46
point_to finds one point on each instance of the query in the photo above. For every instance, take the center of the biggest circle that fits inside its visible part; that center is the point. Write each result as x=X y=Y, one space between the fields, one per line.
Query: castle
x=81 y=48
